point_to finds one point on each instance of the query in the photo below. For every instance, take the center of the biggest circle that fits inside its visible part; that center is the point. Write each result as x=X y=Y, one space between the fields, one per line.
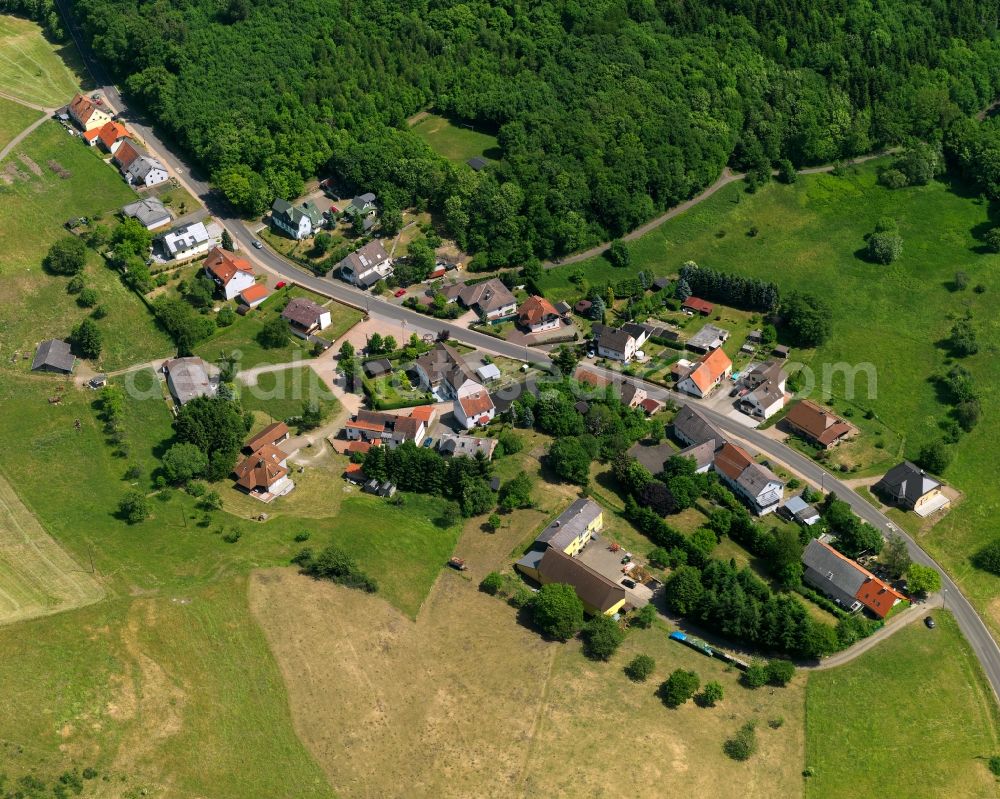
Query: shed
x=488 y=371
x=477 y=163
x=53 y=355
x=378 y=367
x=780 y=351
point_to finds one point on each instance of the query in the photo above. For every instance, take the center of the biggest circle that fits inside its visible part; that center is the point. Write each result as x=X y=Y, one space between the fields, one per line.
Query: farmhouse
x=186 y=241
x=697 y=305
x=850 y=585
x=538 y=314
x=691 y=427
x=53 y=355
x=109 y=136
x=706 y=374
x=151 y=213
x=707 y=339
x=491 y=299
x=366 y=266
x=188 y=378
x=767 y=397
x=817 y=424
x=264 y=473
x=306 y=317
x=88 y=114
x=756 y=485
x=388 y=428
x=298 y=221
x=452 y=444
x=910 y=487
x=231 y=273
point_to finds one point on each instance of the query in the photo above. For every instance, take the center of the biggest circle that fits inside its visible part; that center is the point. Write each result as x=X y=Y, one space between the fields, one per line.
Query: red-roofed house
x=755 y=484
x=88 y=114
x=846 y=582
x=707 y=373
x=817 y=424
x=538 y=314
x=126 y=153
x=109 y=136
x=697 y=305
x=474 y=406
x=264 y=474
x=273 y=434
x=230 y=273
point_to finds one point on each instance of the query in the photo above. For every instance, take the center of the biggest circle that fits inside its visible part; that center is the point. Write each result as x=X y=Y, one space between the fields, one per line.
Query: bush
x=780 y=672
x=884 y=247
x=87 y=298
x=184 y=461
x=491 y=583
x=992 y=239
x=988 y=558
x=557 y=611
x=755 y=676
x=87 y=339
x=601 y=637
x=99 y=312
x=66 y=256
x=618 y=254
x=742 y=745
x=232 y=536
x=76 y=285
x=710 y=695
x=643 y=618
x=225 y=317
x=133 y=507
x=776 y=723
x=678 y=688
x=336 y=565
x=302 y=536
x=639 y=668
x=274 y=333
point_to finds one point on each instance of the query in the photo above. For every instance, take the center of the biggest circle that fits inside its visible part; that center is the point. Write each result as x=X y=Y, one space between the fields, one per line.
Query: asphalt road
x=971 y=625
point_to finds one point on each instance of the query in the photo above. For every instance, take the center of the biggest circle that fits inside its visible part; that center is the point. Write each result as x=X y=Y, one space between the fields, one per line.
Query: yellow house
x=88 y=114
x=574 y=528
x=909 y=486
x=597 y=592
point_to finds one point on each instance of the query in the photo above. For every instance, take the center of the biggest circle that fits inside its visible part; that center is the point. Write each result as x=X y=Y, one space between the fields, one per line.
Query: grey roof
x=477 y=162
x=703 y=453
x=615 y=340
x=142 y=166
x=149 y=212
x=755 y=478
x=363 y=199
x=467 y=445
x=369 y=279
x=563 y=307
x=652 y=457
x=443 y=363
x=490 y=295
x=769 y=371
x=831 y=573
x=661 y=282
x=907 y=482
x=629 y=392
x=285 y=210
x=801 y=510
x=693 y=428
x=531 y=558
x=53 y=355
x=303 y=312
x=570 y=523
x=366 y=258
x=709 y=337
x=379 y=366
x=188 y=378
x=636 y=330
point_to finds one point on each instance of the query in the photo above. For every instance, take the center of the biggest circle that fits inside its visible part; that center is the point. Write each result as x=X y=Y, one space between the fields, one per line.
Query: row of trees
x=739 y=291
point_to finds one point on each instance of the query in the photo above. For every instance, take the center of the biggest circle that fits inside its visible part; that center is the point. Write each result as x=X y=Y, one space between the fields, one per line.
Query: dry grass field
x=34 y=69
x=37 y=577
x=465 y=701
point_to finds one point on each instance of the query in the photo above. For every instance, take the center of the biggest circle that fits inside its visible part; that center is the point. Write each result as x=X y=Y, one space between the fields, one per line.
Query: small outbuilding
x=53 y=355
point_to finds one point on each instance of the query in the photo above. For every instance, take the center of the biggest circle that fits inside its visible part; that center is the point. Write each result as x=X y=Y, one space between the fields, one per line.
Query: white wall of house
x=324 y=320
x=237 y=283
x=545 y=324
x=303 y=230
x=500 y=313
x=688 y=386
x=615 y=355
x=155 y=177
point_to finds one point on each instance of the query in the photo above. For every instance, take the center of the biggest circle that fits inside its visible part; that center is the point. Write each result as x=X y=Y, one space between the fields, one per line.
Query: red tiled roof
x=224 y=264
x=817 y=422
x=423 y=412
x=271 y=434
x=258 y=291
x=698 y=304
x=650 y=405
x=111 y=132
x=591 y=379
x=475 y=404
x=709 y=369
x=127 y=153
x=90 y=135
x=262 y=469
x=82 y=108
x=731 y=461
x=361 y=424
x=535 y=310
x=874 y=594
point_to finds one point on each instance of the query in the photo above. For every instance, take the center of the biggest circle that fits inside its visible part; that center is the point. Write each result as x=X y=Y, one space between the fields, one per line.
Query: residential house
x=231 y=273
x=756 y=485
x=474 y=407
x=573 y=528
x=638 y=331
x=537 y=314
x=186 y=241
x=151 y=213
x=452 y=444
x=702 y=454
x=110 y=135
x=363 y=206
x=697 y=305
x=137 y=166
x=910 y=487
x=491 y=299
x=273 y=434
x=443 y=371
x=798 y=510
x=690 y=427
x=767 y=395
x=615 y=344
x=849 y=585
x=706 y=374
x=632 y=394
x=598 y=594
x=87 y=113
x=780 y=351
x=188 y=378
x=128 y=150
x=707 y=339
x=298 y=221
x=53 y=355
x=254 y=295
x=391 y=429
x=264 y=473
x=306 y=317
x=817 y=424
x=366 y=266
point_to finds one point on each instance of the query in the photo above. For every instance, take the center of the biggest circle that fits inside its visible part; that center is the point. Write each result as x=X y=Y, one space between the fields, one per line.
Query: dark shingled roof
x=907 y=483
x=594 y=589
x=53 y=355
x=693 y=428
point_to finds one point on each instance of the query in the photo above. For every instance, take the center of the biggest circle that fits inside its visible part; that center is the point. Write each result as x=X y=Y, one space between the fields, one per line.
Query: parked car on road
x=399 y=293
x=257 y=245
x=628 y=582
x=280 y=284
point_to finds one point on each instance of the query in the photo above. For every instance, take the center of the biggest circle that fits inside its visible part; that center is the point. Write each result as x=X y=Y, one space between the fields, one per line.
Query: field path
x=23 y=135
x=37 y=577
x=724 y=179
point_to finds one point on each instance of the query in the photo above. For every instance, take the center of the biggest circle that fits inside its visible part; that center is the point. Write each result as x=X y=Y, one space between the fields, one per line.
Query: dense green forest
x=605 y=110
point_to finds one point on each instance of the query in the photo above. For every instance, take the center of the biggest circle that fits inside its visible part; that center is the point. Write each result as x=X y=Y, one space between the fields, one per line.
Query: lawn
x=467 y=702
x=456 y=142
x=284 y=393
x=890 y=317
x=34 y=69
x=14 y=118
x=913 y=717
x=33 y=208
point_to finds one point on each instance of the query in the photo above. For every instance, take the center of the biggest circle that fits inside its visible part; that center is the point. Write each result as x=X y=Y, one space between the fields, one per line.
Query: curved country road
x=46 y=113
x=971 y=625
